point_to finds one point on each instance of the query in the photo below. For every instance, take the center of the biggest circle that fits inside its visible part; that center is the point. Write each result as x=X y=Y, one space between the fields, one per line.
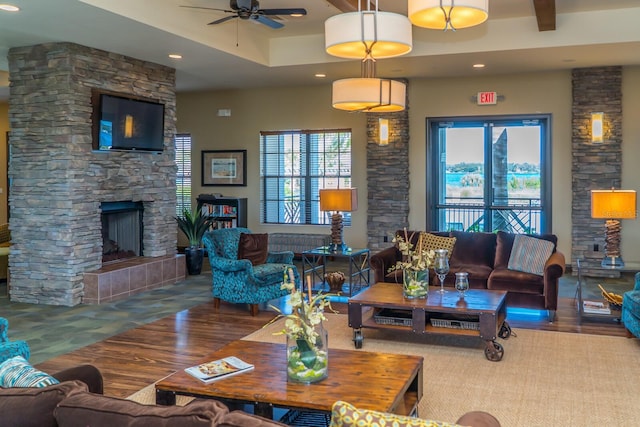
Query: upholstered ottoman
x=631 y=309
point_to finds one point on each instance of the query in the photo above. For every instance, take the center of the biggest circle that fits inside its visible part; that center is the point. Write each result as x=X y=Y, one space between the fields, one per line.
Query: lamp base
x=339 y=247
x=612 y=262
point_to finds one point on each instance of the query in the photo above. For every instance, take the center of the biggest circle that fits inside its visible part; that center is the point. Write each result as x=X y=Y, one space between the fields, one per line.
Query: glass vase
x=308 y=356
x=462 y=283
x=415 y=283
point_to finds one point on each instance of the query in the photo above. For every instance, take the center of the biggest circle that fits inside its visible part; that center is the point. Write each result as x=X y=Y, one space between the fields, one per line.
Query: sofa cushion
x=17 y=372
x=473 y=249
x=33 y=407
x=530 y=254
x=504 y=246
x=102 y=411
x=431 y=242
x=344 y=414
x=254 y=247
x=503 y=279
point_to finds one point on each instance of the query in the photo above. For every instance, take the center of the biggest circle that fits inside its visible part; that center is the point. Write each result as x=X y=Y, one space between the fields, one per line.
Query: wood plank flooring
x=134 y=359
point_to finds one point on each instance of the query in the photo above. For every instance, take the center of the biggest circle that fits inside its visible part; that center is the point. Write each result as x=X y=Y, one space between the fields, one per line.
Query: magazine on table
x=218 y=369
x=596 y=307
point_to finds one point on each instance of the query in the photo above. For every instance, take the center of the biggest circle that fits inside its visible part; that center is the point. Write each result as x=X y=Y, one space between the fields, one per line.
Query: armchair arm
x=284 y=257
x=553 y=271
x=382 y=261
x=637 y=286
x=229 y=265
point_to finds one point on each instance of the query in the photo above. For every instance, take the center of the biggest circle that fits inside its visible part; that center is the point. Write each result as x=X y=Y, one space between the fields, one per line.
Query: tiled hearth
x=120 y=279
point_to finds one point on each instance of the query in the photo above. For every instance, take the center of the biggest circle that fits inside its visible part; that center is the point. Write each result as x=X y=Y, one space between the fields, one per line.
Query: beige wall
x=4 y=128
x=309 y=107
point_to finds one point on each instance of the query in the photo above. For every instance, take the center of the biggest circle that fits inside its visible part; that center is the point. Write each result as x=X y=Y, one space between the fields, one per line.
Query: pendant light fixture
x=368 y=32
x=370 y=35
x=448 y=14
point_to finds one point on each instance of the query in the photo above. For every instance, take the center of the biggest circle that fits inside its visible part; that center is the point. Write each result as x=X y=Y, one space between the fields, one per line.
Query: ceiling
x=247 y=54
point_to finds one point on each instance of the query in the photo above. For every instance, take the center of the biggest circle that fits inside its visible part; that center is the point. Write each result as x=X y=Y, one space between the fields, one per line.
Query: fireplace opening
x=121 y=230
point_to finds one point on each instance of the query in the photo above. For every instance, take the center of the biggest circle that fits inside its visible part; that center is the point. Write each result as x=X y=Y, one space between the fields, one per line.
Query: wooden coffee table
x=377 y=381
x=480 y=313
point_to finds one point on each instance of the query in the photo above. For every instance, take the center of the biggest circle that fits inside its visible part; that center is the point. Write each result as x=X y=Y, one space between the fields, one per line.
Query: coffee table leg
x=164 y=397
x=263 y=410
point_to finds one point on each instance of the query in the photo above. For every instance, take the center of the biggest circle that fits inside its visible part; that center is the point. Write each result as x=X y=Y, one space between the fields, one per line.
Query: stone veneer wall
x=387 y=178
x=594 y=166
x=58 y=182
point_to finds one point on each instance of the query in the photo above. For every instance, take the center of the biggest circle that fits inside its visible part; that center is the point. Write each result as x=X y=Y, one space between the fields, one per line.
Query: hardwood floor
x=134 y=359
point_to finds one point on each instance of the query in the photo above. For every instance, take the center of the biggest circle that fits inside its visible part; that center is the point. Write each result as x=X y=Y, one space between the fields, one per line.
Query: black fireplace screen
x=121 y=230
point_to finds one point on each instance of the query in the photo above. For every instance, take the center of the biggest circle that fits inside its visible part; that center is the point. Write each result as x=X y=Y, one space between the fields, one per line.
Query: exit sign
x=487 y=98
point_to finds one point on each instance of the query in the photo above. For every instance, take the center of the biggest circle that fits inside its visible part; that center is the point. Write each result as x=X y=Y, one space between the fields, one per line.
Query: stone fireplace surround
x=58 y=182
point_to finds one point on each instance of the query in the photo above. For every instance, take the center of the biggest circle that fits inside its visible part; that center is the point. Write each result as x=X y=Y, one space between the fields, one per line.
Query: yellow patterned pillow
x=433 y=242
x=344 y=414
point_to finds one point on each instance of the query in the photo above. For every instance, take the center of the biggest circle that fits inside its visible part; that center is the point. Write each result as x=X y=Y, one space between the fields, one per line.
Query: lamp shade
x=356 y=35
x=369 y=94
x=443 y=14
x=613 y=204
x=339 y=199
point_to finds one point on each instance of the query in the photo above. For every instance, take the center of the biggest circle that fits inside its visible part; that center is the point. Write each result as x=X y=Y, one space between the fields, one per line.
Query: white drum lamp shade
x=356 y=35
x=369 y=94
x=444 y=14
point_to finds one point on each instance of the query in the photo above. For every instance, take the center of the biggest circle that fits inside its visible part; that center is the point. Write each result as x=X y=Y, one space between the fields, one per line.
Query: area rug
x=544 y=379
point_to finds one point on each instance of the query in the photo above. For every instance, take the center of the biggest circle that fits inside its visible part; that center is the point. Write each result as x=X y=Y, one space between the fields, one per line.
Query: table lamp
x=338 y=200
x=613 y=205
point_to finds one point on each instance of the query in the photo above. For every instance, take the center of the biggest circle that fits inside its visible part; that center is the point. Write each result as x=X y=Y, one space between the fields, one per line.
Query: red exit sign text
x=487 y=98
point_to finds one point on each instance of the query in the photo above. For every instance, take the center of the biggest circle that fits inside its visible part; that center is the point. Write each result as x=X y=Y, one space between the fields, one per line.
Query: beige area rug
x=544 y=378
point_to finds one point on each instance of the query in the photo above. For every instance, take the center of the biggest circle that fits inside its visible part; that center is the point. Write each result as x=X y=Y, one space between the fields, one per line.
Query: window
x=490 y=174
x=183 y=177
x=294 y=166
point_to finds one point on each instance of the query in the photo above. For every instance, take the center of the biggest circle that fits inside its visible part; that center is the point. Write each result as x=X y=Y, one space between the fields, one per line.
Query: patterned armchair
x=9 y=349
x=238 y=280
x=631 y=309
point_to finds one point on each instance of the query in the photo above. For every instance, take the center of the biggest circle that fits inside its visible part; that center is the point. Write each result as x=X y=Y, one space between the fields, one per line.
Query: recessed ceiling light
x=478 y=65
x=9 y=7
x=320 y=75
x=175 y=56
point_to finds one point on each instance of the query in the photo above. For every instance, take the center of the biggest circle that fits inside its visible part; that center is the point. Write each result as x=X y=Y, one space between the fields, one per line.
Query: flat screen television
x=121 y=123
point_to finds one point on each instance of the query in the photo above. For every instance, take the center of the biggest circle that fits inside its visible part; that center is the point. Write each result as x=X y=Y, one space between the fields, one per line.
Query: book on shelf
x=219 y=369
x=596 y=307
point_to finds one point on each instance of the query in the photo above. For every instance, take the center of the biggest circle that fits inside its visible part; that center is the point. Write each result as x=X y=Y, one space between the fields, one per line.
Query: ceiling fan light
x=462 y=13
x=369 y=94
x=350 y=35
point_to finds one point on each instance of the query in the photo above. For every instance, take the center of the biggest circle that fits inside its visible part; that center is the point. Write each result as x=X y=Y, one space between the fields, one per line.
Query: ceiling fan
x=250 y=9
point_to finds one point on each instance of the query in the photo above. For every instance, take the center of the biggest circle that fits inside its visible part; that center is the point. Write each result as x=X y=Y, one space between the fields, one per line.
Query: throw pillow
x=17 y=372
x=82 y=409
x=529 y=254
x=254 y=247
x=33 y=407
x=433 y=242
x=344 y=414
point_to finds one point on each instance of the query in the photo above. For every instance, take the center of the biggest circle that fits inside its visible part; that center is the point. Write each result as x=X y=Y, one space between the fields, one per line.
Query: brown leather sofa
x=485 y=256
x=78 y=402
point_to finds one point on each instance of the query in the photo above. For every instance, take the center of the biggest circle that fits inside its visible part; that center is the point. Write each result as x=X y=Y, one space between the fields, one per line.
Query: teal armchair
x=9 y=349
x=238 y=280
x=631 y=309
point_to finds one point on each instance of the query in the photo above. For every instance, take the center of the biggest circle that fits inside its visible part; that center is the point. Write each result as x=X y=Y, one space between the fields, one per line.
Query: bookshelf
x=227 y=212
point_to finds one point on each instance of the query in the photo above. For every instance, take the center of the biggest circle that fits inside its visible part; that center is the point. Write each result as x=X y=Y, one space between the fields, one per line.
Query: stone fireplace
x=59 y=185
x=121 y=230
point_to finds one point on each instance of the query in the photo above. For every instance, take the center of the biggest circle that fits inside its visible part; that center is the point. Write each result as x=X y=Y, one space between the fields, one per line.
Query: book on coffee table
x=596 y=307
x=218 y=369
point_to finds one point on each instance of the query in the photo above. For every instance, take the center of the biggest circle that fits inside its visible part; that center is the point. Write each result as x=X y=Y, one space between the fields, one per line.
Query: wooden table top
x=367 y=380
x=390 y=294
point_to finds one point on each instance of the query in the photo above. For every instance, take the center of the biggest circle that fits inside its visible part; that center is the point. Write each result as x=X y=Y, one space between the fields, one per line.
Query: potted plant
x=194 y=225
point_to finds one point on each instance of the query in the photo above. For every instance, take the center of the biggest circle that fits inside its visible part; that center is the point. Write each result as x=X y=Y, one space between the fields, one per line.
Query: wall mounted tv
x=122 y=123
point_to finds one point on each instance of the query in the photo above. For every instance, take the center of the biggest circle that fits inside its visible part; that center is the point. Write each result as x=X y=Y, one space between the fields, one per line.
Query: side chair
x=631 y=308
x=240 y=280
x=9 y=349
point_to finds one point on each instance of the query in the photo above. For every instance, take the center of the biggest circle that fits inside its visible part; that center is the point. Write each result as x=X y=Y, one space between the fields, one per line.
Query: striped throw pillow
x=529 y=254
x=17 y=372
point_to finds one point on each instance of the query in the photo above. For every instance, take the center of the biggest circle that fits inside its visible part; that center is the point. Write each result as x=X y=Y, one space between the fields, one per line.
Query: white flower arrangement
x=418 y=258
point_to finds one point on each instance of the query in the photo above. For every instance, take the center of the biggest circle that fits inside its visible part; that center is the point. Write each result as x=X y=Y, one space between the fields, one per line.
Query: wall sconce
x=383 y=132
x=613 y=205
x=597 y=128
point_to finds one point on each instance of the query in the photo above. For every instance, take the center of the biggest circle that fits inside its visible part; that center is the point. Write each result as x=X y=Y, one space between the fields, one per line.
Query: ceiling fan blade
x=221 y=20
x=283 y=11
x=267 y=21
x=209 y=8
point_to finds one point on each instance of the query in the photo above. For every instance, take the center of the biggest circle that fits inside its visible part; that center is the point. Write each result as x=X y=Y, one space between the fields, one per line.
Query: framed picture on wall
x=224 y=167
